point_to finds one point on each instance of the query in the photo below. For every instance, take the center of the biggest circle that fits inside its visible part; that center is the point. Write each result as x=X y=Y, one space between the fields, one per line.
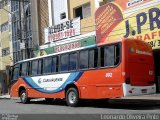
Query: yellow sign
x=137 y=19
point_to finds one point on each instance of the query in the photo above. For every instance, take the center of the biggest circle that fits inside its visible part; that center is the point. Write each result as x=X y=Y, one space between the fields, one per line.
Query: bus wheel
x=23 y=97
x=72 y=97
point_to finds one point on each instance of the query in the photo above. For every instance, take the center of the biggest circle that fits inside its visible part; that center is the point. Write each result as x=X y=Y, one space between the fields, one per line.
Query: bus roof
x=91 y=46
x=119 y=40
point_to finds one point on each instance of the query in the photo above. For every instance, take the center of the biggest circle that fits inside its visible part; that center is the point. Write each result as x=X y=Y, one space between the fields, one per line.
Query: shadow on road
x=111 y=104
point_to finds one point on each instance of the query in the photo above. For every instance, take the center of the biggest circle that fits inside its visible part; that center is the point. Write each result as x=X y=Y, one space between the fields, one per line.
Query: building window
x=83 y=11
x=14 y=6
x=4 y=27
x=62 y=15
x=3 y=3
x=5 y=51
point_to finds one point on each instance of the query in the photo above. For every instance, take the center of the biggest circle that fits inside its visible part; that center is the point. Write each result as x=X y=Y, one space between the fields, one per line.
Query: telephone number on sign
x=155 y=43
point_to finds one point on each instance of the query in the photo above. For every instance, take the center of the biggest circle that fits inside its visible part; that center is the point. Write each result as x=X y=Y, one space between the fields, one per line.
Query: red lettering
x=73 y=32
x=73 y=45
x=57 y=49
x=69 y=47
x=49 y=39
x=159 y=33
x=139 y=37
x=154 y=34
x=146 y=37
x=65 y=47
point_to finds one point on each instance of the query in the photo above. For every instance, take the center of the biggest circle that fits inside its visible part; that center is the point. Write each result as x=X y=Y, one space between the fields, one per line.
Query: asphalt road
x=94 y=109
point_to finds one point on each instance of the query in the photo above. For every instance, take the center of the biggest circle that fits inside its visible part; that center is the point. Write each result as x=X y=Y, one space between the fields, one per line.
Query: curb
x=5 y=97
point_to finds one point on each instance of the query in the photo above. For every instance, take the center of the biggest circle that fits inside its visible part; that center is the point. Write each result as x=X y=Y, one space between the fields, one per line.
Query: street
x=11 y=106
x=14 y=109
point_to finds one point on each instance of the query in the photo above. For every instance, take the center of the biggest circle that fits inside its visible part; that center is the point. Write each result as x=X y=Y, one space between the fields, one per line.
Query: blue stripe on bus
x=73 y=77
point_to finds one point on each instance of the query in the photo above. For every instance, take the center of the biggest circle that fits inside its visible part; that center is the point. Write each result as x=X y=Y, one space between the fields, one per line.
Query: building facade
x=6 y=54
x=58 y=34
x=21 y=29
x=29 y=18
x=71 y=9
x=5 y=32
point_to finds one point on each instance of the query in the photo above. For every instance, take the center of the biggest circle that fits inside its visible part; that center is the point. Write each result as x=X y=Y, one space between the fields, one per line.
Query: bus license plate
x=144 y=90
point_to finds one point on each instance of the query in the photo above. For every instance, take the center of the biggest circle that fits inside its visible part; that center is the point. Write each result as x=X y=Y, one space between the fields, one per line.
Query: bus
x=122 y=68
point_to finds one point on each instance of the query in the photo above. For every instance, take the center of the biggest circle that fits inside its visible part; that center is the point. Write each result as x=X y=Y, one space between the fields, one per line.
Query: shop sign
x=129 y=19
x=83 y=42
x=67 y=47
x=63 y=30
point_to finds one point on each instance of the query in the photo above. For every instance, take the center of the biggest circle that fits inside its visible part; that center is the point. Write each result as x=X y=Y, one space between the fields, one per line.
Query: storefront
x=74 y=43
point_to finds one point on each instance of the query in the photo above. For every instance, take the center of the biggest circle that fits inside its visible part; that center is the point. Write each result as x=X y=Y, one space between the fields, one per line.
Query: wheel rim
x=72 y=97
x=23 y=96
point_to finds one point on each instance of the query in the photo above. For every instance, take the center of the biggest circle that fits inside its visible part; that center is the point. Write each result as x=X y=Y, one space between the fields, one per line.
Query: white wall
x=97 y=3
x=56 y=7
x=50 y=12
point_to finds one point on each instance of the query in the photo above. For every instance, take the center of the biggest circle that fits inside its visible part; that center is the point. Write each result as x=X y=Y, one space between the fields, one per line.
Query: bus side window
x=47 y=65
x=24 y=69
x=55 y=64
x=73 y=61
x=93 y=58
x=34 y=66
x=15 y=72
x=29 y=69
x=109 y=56
x=40 y=65
x=117 y=54
x=102 y=56
x=64 y=60
x=83 y=59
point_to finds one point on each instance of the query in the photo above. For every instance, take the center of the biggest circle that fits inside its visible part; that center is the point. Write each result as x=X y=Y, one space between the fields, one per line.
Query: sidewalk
x=5 y=96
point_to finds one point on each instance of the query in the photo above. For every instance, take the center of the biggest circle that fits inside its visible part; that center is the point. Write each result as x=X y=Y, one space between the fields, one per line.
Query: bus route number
x=109 y=75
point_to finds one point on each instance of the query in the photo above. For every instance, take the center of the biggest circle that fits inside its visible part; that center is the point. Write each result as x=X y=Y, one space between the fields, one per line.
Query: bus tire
x=72 y=97
x=23 y=97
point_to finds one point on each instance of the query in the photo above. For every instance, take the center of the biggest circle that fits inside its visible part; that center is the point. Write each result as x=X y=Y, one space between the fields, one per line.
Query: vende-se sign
x=64 y=30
